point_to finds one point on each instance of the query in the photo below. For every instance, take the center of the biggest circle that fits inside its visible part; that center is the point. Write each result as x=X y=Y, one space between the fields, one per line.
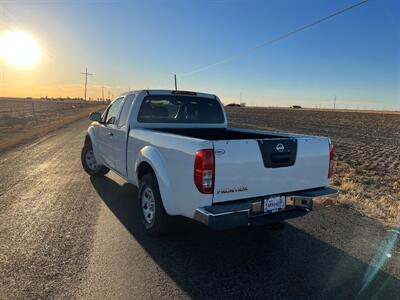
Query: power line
x=274 y=40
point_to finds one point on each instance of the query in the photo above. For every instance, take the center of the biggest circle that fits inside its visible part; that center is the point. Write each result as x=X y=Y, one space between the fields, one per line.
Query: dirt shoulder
x=15 y=131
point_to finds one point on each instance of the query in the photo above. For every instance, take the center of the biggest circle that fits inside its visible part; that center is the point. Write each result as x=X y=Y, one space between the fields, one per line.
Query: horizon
x=353 y=57
x=225 y=103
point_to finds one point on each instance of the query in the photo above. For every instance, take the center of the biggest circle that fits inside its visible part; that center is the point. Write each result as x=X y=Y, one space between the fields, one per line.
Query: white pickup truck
x=177 y=148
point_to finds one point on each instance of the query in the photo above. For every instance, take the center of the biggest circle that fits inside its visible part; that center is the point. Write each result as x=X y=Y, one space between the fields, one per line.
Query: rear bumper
x=250 y=211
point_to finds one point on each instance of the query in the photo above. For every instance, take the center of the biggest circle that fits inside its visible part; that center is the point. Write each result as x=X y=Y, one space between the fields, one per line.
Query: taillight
x=331 y=160
x=204 y=171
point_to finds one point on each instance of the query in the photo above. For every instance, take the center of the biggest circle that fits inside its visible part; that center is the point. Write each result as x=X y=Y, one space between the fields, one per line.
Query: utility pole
x=334 y=103
x=102 y=92
x=176 y=84
x=86 y=75
x=240 y=99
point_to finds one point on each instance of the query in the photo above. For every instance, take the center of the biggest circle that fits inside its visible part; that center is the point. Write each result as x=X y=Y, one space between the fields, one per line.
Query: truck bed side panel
x=175 y=174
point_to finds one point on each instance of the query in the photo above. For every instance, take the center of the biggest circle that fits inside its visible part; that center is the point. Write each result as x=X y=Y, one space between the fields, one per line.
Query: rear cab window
x=180 y=109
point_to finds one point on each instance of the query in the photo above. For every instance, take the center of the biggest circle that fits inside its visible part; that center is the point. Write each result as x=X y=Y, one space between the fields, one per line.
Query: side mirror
x=95 y=116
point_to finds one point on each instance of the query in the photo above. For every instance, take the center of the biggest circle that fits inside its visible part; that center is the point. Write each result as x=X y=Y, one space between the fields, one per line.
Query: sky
x=141 y=44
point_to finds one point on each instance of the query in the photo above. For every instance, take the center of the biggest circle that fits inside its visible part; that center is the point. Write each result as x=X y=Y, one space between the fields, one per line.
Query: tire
x=89 y=162
x=154 y=218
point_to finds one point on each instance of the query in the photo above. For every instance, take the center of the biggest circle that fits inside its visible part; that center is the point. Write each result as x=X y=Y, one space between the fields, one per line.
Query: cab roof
x=170 y=92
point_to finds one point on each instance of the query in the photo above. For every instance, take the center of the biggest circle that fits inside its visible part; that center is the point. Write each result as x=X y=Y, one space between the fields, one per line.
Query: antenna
x=86 y=75
x=176 y=84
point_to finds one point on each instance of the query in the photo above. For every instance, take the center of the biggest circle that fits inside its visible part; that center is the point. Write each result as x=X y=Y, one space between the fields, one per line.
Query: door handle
x=111 y=134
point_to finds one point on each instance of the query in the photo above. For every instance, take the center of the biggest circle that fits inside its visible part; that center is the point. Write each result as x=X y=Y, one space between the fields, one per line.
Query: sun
x=19 y=49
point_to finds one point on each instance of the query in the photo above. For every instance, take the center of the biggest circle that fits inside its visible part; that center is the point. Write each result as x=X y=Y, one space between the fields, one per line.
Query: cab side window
x=104 y=114
x=113 y=111
x=123 y=117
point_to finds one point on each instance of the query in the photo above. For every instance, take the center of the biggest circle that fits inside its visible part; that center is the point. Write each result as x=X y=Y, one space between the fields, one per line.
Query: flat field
x=367 y=146
x=22 y=120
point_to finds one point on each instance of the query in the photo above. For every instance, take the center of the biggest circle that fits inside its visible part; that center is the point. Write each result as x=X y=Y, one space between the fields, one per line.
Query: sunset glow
x=19 y=49
x=46 y=45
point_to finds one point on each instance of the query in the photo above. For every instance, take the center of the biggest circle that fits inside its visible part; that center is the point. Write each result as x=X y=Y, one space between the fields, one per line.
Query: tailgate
x=253 y=168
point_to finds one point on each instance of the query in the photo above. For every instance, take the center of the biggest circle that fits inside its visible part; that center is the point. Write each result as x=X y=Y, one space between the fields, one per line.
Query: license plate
x=274 y=204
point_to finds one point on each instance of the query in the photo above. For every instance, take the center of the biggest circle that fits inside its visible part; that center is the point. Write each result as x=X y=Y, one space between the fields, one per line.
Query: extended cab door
x=120 y=137
x=107 y=131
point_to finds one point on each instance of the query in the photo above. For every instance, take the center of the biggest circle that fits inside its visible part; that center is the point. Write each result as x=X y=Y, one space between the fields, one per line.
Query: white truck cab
x=177 y=148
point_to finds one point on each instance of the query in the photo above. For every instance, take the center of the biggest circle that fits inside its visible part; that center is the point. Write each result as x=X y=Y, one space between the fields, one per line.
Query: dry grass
x=369 y=195
x=17 y=129
x=367 y=146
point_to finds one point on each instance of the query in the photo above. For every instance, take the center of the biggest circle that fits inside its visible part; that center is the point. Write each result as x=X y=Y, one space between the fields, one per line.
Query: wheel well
x=143 y=169
x=88 y=141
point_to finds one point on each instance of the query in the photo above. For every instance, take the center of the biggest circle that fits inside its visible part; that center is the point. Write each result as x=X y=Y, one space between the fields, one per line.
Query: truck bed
x=255 y=163
x=216 y=134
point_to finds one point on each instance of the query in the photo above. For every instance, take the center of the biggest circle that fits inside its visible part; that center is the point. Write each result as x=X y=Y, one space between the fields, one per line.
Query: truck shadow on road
x=251 y=262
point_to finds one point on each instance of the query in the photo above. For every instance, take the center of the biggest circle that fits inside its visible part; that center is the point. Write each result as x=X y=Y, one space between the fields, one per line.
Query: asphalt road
x=66 y=235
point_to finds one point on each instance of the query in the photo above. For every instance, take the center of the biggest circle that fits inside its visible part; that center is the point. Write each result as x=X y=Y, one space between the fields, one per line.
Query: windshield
x=180 y=109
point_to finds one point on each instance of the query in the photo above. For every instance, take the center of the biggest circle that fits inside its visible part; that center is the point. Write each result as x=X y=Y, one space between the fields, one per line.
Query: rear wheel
x=89 y=162
x=155 y=219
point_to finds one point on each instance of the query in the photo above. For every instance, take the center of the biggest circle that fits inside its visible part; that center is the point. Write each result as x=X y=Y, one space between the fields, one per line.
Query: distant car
x=177 y=148
x=295 y=106
x=233 y=105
